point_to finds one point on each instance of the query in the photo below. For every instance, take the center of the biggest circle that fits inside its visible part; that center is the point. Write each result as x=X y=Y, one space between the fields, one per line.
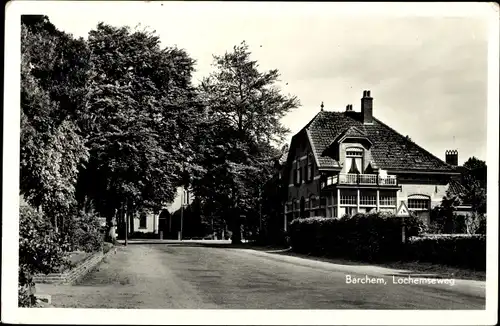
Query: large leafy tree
x=474 y=181
x=235 y=147
x=139 y=108
x=473 y=193
x=52 y=148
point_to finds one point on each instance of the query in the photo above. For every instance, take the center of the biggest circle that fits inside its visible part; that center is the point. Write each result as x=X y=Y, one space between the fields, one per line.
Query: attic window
x=354 y=160
x=354 y=153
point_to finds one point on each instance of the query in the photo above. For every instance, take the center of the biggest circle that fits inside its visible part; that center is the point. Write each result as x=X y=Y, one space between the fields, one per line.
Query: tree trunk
x=131 y=220
x=235 y=226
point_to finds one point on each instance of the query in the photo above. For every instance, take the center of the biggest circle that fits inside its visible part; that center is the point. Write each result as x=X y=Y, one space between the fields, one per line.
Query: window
x=418 y=204
x=368 y=200
x=142 y=221
x=387 y=201
x=348 y=199
x=309 y=174
x=354 y=160
x=311 y=206
x=302 y=207
x=298 y=174
x=331 y=206
x=354 y=153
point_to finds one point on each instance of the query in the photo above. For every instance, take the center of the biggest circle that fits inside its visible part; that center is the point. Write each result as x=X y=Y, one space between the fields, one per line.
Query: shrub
x=373 y=236
x=84 y=232
x=41 y=250
x=461 y=250
x=107 y=247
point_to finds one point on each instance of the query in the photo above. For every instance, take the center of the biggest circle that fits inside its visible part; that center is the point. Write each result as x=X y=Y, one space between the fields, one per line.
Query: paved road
x=189 y=276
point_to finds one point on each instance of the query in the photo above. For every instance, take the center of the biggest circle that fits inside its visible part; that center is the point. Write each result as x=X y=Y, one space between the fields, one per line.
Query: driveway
x=188 y=275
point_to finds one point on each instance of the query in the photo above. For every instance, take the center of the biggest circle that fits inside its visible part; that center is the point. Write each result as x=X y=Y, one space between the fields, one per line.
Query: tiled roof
x=390 y=150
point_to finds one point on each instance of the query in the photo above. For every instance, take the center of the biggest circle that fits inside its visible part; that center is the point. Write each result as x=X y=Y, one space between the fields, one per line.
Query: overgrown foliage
x=41 y=250
x=52 y=148
x=444 y=217
x=84 y=231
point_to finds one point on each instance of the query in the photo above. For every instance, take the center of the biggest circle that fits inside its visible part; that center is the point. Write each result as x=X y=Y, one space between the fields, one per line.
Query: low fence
x=73 y=274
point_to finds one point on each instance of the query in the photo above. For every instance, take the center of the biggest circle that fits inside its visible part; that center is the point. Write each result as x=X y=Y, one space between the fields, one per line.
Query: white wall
x=151 y=223
x=435 y=192
x=176 y=204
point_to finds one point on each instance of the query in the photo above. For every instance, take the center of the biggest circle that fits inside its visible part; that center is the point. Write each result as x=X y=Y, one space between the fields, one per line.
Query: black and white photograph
x=250 y=163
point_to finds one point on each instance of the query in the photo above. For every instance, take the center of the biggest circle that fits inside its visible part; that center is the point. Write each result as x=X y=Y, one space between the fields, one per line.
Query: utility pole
x=182 y=213
x=260 y=210
x=126 y=223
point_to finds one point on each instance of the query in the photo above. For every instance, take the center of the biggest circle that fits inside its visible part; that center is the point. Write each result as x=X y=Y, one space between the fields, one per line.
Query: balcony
x=360 y=180
x=367 y=179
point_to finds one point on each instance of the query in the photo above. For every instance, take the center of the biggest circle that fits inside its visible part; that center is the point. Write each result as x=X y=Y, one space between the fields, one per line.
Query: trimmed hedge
x=368 y=237
x=460 y=250
x=378 y=237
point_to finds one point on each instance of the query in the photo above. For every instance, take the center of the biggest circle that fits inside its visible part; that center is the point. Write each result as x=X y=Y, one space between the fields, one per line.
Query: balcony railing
x=367 y=179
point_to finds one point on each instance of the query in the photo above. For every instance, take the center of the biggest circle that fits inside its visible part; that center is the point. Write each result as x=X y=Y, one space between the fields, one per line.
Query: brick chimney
x=367 y=108
x=452 y=157
x=348 y=107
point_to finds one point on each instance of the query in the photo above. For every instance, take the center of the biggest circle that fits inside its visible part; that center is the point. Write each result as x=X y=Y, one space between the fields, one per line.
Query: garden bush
x=369 y=237
x=84 y=232
x=41 y=250
x=107 y=247
x=460 y=250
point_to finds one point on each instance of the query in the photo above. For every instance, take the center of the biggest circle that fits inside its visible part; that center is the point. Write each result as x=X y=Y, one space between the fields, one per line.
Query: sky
x=427 y=73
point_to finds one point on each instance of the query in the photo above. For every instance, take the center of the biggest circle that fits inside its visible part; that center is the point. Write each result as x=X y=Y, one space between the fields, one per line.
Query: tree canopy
x=138 y=97
x=114 y=120
x=52 y=148
x=236 y=146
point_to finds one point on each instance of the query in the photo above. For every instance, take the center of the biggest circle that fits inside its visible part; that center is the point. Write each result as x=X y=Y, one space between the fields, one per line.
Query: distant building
x=349 y=162
x=456 y=186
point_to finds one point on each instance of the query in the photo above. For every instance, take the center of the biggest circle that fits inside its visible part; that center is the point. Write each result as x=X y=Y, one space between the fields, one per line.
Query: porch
x=337 y=202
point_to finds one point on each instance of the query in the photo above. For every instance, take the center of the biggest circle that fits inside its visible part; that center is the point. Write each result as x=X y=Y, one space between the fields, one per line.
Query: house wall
x=435 y=192
x=307 y=189
x=434 y=186
x=151 y=224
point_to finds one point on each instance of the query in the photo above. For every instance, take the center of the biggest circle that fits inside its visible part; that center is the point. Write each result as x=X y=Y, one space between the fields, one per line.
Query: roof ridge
x=311 y=121
x=356 y=129
x=415 y=144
